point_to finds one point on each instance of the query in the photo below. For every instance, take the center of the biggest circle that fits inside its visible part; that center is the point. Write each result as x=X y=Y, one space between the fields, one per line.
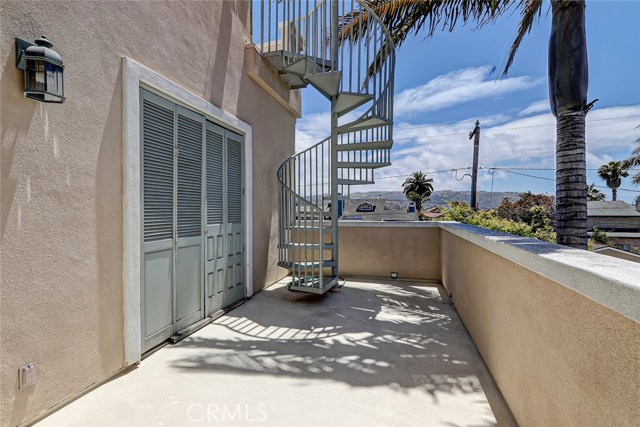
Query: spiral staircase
x=342 y=49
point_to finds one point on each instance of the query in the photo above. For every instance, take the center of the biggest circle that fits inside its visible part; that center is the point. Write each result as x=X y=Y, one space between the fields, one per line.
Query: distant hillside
x=440 y=198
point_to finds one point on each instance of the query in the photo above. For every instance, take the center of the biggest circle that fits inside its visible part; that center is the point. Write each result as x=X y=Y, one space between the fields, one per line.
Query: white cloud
x=541 y=106
x=527 y=142
x=525 y=139
x=458 y=87
x=313 y=128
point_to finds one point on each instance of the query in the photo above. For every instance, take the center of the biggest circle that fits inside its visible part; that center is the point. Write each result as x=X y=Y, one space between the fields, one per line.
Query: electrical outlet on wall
x=27 y=375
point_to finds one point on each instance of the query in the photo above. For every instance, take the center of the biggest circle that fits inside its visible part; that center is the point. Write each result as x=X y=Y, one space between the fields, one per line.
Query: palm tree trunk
x=568 y=82
x=614 y=194
x=571 y=180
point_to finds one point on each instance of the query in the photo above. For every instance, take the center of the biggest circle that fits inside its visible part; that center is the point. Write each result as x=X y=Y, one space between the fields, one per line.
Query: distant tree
x=634 y=161
x=612 y=173
x=593 y=194
x=417 y=188
x=523 y=209
x=599 y=236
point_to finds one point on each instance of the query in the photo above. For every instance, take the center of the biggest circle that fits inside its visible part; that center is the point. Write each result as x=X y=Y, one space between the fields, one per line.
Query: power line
x=552 y=179
x=483 y=167
x=488 y=130
x=508 y=170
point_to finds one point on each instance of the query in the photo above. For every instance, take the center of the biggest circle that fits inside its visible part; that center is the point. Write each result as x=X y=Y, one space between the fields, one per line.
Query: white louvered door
x=193 y=214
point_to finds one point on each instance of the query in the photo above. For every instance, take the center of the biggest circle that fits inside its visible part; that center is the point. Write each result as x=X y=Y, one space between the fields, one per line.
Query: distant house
x=620 y=220
x=366 y=207
x=431 y=213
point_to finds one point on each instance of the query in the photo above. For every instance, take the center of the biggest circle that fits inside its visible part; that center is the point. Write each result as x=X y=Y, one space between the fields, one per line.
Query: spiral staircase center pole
x=334 y=141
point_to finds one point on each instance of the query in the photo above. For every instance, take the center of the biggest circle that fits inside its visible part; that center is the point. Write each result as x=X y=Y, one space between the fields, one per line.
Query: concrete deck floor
x=378 y=353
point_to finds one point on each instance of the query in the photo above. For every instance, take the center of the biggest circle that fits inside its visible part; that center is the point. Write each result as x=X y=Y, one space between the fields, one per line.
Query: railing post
x=334 y=34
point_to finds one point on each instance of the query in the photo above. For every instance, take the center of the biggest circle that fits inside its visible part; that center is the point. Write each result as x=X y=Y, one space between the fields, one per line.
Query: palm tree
x=593 y=194
x=634 y=161
x=612 y=173
x=567 y=74
x=418 y=188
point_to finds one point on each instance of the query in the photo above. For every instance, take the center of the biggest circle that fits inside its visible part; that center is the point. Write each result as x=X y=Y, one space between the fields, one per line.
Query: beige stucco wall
x=376 y=249
x=61 y=176
x=558 y=357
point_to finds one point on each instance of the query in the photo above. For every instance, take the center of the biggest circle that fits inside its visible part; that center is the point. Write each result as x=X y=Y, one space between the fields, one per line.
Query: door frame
x=134 y=77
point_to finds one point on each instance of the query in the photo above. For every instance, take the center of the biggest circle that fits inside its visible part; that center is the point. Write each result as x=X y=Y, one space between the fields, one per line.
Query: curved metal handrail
x=305 y=179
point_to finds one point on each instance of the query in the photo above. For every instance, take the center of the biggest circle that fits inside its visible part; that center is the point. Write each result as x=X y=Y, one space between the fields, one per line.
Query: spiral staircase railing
x=342 y=49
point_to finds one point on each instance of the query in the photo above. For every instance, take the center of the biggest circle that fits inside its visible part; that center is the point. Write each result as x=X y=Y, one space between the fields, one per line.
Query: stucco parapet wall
x=611 y=282
x=263 y=73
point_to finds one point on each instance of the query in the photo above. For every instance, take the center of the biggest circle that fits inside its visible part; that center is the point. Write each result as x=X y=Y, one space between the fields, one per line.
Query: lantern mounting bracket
x=21 y=47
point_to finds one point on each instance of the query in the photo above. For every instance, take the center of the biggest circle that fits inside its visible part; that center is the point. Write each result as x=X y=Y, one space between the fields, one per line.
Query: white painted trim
x=134 y=76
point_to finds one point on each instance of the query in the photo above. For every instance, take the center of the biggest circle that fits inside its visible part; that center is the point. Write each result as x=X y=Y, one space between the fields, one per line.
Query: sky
x=445 y=83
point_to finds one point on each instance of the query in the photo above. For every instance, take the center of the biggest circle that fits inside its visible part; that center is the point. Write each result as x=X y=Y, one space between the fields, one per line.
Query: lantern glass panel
x=34 y=76
x=53 y=81
x=43 y=81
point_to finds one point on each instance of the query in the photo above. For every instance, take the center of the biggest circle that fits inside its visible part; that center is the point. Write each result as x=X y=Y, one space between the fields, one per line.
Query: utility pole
x=475 y=134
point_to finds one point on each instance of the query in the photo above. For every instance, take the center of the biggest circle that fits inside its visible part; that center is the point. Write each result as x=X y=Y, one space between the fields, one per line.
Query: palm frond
x=531 y=11
x=406 y=17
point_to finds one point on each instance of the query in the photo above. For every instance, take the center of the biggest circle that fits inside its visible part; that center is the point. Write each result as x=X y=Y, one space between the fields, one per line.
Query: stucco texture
x=412 y=252
x=61 y=171
x=559 y=358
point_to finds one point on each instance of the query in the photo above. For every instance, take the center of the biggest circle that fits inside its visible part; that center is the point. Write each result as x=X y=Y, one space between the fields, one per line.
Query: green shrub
x=540 y=227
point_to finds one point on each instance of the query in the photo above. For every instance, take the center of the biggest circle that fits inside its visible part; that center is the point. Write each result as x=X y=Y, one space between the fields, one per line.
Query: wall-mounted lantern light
x=43 y=70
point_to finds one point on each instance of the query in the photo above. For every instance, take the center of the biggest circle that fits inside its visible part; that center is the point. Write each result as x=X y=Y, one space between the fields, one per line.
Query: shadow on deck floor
x=377 y=353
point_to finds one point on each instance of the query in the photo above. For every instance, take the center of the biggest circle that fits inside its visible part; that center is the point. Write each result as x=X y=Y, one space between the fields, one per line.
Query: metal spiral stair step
x=281 y=59
x=308 y=227
x=308 y=265
x=323 y=246
x=302 y=67
x=349 y=101
x=294 y=81
x=327 y=83
x=314 y=284
x=342 y=181
x=363 y=124
x=372 y=145
x=363 y=165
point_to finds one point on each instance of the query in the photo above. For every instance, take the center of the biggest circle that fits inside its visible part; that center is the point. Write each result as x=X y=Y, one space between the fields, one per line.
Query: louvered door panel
x=189 y=176
x=234 y=177
x=192 y=200
x=235 y=235
x=157 y=130
x=189 y=254
x=215 y=177
x=215 y=231
x=157 y=140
